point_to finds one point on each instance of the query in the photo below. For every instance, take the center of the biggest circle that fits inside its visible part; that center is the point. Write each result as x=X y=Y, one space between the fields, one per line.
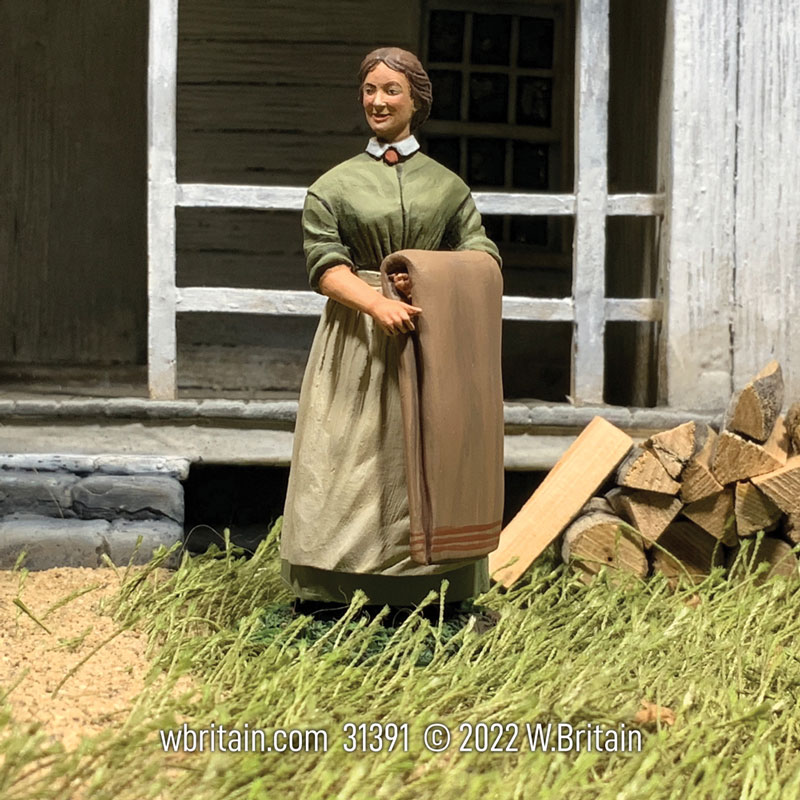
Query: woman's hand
x=394 y=316
x=402 y=283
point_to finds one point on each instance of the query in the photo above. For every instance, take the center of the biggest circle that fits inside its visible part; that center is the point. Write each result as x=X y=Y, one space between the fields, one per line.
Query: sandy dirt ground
x=99 y=694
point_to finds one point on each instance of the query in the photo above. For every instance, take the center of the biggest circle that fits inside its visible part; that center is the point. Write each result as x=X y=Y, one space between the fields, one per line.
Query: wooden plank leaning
x=591 y=458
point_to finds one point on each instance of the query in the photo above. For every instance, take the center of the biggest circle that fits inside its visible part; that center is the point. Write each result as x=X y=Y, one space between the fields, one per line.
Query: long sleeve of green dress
x=363 y=210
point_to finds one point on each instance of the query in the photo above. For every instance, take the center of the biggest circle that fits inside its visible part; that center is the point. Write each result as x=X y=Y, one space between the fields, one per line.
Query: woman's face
x=386 y=97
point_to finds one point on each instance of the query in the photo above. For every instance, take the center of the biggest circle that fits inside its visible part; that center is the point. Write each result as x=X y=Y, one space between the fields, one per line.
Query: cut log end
x=649 y=512
x=685 y=552
x=754 y=510
x=782 y=486
x=775 y=552
x=736 y=458
x=675 y=447
x=753 y=411
x=715 y=515
x=793 y=426
x=642 y=470
x=598 y=540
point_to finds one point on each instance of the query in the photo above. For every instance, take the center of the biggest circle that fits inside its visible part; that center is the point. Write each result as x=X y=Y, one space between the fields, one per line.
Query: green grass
x=562 y=652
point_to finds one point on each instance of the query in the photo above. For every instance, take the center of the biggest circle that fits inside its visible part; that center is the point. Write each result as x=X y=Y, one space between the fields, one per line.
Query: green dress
x=346 y=517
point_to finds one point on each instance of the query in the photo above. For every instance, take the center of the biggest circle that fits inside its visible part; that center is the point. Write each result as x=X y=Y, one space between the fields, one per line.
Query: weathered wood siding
x=72 y=167
x=699 y=174
x=267 y=91
x=266 y=96
x=731 y=247
x=767 y=220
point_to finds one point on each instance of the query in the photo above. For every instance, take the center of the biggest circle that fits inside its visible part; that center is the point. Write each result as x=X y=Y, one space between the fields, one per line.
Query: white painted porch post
x=161 y=193
x=591 y=190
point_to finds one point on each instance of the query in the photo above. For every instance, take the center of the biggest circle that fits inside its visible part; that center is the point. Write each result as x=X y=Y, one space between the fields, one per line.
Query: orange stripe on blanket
x=458 y=536
x=466 y=528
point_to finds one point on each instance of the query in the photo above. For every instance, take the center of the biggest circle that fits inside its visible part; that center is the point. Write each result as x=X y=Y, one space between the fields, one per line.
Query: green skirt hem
x=321 y=585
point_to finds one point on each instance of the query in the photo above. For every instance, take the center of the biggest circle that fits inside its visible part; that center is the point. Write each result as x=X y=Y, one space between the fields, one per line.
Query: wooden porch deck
x=104 y=414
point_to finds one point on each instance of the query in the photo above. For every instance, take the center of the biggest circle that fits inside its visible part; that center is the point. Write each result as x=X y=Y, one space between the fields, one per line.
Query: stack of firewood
x=686 y=498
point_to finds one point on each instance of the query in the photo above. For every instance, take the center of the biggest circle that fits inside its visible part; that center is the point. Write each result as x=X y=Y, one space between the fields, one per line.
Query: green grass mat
x=228 y=652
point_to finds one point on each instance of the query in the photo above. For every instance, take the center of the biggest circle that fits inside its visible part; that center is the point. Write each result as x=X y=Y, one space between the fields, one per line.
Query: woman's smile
x=388 y=107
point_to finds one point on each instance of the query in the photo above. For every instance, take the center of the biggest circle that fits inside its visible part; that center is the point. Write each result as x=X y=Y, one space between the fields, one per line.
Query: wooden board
x=592 y=457
x=73 y=282
x=698 y=167
x=369 y=22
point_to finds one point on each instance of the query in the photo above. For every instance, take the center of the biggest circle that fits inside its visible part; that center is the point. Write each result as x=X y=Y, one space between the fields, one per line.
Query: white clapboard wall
x=731 y=258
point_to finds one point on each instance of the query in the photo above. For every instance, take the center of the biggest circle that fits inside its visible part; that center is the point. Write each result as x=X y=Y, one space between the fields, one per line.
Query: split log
x=649 y=512
x=598 y=540
x=783 y=486
x=697 y=480
x=754 y=411
x=777 y=553
x=736 y=458
x=642 y=470
x=686 y=552
x=674 y=448
x=754 y=510
x=589 y=460
x=791 y=528
x=715 y=515
x=793 y=426
x=597 y=504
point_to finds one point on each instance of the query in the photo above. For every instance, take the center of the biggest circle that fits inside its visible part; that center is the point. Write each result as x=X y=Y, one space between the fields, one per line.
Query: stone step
x=49 y=543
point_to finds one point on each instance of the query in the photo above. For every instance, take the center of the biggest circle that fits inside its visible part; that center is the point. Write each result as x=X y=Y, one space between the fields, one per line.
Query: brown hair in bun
x=409 y=65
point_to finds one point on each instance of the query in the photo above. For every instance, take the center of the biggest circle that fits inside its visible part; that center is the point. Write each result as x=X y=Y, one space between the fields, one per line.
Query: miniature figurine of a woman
x=346 y=523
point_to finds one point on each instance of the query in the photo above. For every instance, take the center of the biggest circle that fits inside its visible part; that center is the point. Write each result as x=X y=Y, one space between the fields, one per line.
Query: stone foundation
x=76 y=510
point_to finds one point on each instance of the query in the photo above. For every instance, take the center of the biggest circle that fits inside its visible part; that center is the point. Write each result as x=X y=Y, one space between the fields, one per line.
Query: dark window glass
x=446 y=87
x=535 y=101
x=446 y=150
x=529 y=230
x=491 y=38
x=486 y=162
x=535 y=43
x=446 y=37
x=493 y=224
x=530 y=169
x=545 y=350
x=488 y=97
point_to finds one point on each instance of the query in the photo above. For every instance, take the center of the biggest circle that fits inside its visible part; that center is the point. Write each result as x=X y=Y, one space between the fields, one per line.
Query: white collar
x=405 y=146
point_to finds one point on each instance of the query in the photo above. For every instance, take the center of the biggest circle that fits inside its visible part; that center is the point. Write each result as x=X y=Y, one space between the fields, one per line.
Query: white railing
x=588 y=309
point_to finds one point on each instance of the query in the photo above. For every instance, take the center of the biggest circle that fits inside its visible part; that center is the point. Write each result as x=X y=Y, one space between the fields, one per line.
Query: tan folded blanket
x=452 y=400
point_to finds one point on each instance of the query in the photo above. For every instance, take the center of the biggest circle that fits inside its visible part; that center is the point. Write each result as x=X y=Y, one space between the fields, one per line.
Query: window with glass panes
x=502 y=113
